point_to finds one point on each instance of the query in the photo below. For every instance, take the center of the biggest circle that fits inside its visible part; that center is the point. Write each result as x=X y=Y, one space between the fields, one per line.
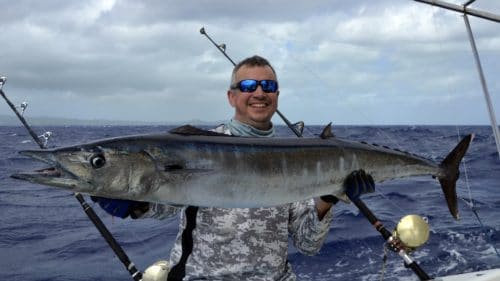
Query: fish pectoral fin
x=344 y=198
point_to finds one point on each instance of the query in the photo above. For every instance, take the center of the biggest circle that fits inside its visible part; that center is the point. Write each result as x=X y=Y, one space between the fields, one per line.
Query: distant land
x=8 y=120
x=11 y=120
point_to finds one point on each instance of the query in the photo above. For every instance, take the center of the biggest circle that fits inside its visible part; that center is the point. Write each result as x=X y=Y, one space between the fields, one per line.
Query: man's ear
x=230 y=98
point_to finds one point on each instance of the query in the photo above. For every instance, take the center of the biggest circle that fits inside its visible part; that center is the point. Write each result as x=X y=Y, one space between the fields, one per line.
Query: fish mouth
x=50 y=176
x=51 y=172
x=55 y=175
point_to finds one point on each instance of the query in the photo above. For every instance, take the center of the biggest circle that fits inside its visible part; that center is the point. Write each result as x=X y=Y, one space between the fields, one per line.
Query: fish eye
x=97 y=161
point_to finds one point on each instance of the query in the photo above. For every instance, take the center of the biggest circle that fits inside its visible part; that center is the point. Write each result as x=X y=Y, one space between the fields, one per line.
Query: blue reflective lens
x=269 y=86
x=250 y=85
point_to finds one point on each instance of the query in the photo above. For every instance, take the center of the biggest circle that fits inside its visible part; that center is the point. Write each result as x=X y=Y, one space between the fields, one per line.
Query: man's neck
x=239 y=128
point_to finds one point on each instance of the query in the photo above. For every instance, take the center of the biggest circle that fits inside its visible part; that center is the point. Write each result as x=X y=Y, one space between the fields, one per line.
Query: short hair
x=251 y=61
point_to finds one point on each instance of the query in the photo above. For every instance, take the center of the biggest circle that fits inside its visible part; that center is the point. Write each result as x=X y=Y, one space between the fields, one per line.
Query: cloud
x=146 y=60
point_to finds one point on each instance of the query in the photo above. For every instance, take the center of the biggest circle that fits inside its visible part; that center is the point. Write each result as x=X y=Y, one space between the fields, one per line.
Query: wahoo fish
x=191 y=166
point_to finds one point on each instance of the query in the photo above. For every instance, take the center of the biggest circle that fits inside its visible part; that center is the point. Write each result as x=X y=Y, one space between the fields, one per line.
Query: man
x=245 y=244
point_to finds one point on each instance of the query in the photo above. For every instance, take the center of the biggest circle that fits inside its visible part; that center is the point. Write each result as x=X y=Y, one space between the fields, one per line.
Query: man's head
x=254 y=101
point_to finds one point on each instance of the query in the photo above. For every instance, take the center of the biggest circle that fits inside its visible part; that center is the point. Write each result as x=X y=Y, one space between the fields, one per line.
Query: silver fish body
x=225 y=171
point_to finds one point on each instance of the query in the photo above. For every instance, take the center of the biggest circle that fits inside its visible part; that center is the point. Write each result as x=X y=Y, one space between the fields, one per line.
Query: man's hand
x=358 y=183
x=121 y=208
x=329 y=199
x=355 y=184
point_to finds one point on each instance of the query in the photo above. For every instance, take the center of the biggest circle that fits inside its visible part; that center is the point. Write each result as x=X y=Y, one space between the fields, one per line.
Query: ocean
x=45 y=235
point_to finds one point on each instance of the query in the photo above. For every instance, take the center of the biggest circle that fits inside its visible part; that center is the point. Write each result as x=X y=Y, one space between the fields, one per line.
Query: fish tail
x=450 y=173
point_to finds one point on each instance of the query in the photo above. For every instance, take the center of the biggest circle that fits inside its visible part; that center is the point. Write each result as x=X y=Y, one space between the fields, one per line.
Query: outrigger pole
x=392 y=241
x=485 y=15
x=117 y=249
x=11 y=105
x=297 y=127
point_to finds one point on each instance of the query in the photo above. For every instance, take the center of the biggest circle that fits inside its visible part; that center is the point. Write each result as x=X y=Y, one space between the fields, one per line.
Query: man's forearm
x=322 y=207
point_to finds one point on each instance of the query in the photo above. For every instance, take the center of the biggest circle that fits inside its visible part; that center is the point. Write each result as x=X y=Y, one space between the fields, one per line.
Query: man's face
x=255 y=108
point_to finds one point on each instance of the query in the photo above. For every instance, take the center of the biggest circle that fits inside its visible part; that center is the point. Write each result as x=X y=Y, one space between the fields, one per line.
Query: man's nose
x=259 y=91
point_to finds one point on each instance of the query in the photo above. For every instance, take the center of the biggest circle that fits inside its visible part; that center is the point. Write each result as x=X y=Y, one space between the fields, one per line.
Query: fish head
x=99 y=171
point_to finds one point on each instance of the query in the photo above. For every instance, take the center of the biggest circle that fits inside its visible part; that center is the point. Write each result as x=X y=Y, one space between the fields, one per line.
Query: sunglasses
x=250 y=85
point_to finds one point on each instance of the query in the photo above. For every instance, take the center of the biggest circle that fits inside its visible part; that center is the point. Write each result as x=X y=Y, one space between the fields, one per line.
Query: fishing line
x=360 y=113
x=466 y=174
x=326 y=85
x=323 y=82
x=384 y=262
x=403 y=211
x=470 y=202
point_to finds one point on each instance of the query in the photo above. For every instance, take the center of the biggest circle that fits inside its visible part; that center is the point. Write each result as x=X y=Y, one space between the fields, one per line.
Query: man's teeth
x=259 y=105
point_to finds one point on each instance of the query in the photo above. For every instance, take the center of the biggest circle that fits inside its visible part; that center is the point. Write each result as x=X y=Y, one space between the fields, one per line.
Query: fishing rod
x=395 y=244
x=117 y=249
x=297 y=128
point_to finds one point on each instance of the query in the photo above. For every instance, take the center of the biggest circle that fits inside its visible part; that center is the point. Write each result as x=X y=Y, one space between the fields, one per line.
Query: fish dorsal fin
x=327 y=132
x=188 y=130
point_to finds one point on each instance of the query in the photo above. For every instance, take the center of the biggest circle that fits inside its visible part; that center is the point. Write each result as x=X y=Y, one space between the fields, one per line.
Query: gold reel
x=412 y=231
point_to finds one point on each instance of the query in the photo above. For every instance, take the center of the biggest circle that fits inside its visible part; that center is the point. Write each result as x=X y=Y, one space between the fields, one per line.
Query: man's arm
x=310 y=220
x=307 y=231
x=322 y=207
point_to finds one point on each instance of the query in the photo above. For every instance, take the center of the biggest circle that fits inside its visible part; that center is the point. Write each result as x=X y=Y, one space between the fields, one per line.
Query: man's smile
x=259 y=105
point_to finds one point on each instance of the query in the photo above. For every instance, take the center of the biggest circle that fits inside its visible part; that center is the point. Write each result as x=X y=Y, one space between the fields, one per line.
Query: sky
x=347 y=62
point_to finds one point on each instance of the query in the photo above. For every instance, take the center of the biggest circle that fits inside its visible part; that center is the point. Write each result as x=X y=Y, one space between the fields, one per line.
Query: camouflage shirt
x=246 y=244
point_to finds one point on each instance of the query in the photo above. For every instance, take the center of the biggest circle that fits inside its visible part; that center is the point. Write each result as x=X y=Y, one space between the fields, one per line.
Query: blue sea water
x=45 y=235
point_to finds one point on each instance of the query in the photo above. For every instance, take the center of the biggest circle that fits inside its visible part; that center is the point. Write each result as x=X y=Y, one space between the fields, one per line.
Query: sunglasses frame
x=257 y=84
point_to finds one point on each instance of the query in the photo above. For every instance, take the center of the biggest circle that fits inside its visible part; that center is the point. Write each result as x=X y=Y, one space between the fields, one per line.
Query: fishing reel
x=411 y=232
x=157 y=271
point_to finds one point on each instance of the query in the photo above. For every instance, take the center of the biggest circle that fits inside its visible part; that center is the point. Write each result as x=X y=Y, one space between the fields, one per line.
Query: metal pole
x=485 y=15
x=287 y=122
x=117 y=249
x=202 y=31
x=462 y=9
x=469 y=2
x=489 y=104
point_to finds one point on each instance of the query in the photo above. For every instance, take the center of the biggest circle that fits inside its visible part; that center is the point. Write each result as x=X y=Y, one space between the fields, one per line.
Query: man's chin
x=261 y=122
